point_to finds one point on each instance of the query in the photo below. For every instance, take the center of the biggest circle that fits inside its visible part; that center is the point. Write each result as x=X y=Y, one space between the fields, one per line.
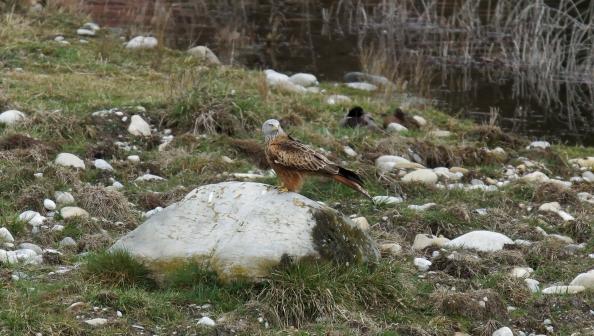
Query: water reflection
x=453 y=51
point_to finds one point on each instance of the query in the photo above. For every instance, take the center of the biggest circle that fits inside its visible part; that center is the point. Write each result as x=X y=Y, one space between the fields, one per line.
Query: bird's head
x=356 y=112
x=271 y=128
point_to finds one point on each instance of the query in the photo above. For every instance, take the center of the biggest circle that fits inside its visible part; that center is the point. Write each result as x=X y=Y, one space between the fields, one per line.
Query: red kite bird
x=293 y=160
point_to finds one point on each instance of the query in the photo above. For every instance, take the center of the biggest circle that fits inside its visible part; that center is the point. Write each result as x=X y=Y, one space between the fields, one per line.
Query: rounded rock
x=484 y=241
x=5 y=236
x=63 y=197
x=71 y=211
x=138 y=126
x=48 y=204
x=229 y=225
x=426 y=176
x=69 y=160
x=205 y=54
x=142 y=42
x=102 y=165
x=11 y=117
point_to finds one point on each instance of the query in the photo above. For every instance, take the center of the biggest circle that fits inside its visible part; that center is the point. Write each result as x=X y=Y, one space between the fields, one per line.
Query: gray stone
x=505 y=331
x=563 y=289
x=63 y=197
x=102 y=165
x=304 y=79
x=138 y=126
x=205 y=54
x=69 y=160
x=31 y=246
x=96 y=322
x=362 y=86
x=484 y=241
x=67 y=242
x=48 y=204
x=71 y=211
x=365 y=77
x=142 y=42
x=5 y=236
x=584 y=279
x=11 y=117
x=426 y=176
x=242 y=229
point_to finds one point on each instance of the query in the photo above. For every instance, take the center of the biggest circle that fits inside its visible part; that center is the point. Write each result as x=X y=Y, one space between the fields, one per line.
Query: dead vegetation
x=493 y=136
x=150 y=200
x=553 y=192
x=476 y=304
x=433 y=154
x=31 y=198
x=254 y=151
x=459 y=264
x=105 y=203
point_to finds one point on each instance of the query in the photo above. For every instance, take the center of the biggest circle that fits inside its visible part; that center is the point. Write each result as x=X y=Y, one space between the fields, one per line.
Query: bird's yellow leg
x=282 y=188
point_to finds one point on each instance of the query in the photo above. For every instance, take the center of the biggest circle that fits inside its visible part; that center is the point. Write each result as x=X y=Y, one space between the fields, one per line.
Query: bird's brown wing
x=292 y=154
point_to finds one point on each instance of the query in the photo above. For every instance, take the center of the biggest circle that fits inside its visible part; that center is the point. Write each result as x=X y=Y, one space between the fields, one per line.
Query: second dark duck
x=357 y=117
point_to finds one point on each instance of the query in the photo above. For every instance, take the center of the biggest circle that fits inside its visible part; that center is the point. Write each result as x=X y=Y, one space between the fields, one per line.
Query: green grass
x=118 y=268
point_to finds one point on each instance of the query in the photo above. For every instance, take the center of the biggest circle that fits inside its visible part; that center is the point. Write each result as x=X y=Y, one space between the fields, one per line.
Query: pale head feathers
x=271 y=128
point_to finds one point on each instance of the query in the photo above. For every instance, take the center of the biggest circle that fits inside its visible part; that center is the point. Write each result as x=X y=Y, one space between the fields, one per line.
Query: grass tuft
x=302 y=292
x=118 y=269
x=109 y=204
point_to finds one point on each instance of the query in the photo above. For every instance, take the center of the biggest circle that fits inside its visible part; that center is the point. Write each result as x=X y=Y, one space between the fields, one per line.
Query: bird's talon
x=283 y=189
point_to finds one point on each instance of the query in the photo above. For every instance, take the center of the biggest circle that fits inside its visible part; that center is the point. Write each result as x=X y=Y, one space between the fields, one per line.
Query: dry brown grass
x=553 y=192
x=17 y=147
x=514 y=290
x=62 y=175
x=493 y=136
x=106 y=149
x=101 y=202
x=150 y=200
x=548 y=249
x=31 y=198
x=94 y=242
x=468 y=304
x=253 y=150
x=459 y=264
x=580 y=229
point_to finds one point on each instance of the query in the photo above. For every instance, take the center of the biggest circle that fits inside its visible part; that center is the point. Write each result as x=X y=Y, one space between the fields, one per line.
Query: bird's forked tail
x=351 y=180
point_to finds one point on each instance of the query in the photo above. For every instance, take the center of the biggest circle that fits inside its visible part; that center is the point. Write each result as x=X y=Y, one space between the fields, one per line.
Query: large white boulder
x=11 y=117
x=69 y=160
x=205 y=54
x=242 y=229
x=485 y=241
